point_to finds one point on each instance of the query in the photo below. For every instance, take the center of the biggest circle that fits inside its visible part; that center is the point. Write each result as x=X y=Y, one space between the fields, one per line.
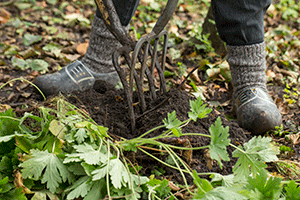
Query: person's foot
x=255 y=110
x=73 y=77
x=81 y=75
x=254 y=107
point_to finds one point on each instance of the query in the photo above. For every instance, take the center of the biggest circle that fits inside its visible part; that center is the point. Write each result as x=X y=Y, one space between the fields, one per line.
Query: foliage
x=67 y=155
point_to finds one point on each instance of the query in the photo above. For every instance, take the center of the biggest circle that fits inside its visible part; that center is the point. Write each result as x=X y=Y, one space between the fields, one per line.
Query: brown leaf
x=210 y=162
x=4 y=16
x=81 y=48
x=4 y=107
x=173 y=186
x=72 y=57
x=194 y=76
x=19 y=182
x=188 y=154
x=26 y=94
x=173 y=29
x=294 y=138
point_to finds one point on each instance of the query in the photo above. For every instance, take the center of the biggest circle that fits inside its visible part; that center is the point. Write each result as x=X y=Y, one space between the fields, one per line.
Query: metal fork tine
x=144 y=63
x=116 y=55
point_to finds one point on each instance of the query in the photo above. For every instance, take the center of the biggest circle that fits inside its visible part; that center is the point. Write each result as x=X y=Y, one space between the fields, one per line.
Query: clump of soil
x=108 y=107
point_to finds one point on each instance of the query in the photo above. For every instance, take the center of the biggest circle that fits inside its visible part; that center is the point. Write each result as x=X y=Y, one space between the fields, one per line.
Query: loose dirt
x=108 y=107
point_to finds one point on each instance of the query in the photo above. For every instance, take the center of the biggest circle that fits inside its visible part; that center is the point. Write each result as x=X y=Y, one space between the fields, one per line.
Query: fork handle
x=166 y=16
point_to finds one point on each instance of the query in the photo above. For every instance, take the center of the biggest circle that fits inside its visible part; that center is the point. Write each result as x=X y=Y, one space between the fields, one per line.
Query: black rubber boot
x=95 y=64
x=73 y=77
x=256 y=111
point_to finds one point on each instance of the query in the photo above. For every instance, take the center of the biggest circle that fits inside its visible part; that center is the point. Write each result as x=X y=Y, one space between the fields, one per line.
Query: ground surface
x=66 y=26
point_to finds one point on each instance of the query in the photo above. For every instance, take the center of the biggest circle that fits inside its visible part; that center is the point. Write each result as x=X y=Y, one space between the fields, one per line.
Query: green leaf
x=100 y=173
x=87 y=153
x=172 y=123
x=95 y=192
x=254 y=153
x=19 y=63
x=118 y=173
x=130 y=146
x=219 y=142
x=80 y=135
x=163 y=189
x=31 y=39
x=263 y=187
x=292 y=191
x=226 y=181
x=6 y=138
x=22 y=6
x=53 y=2
x=47 y=167
x=198 y=110
x=14 y=194
x=220 y=193
x=202 y=184
x=57 y=129
x=79 y=188
x=5 y=164
x=38 y=65
x=53 y=48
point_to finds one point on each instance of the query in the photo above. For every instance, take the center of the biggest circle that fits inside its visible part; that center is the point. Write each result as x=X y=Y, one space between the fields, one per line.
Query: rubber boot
x=81 y=75
x=255 y=109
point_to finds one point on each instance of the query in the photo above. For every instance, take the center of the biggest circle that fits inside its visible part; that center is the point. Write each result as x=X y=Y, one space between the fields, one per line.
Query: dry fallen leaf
x=294 y=138
x=173 y=186
x=81 y=48
x=210 y=162
x=26 y=94
x=270 y=74
x=188 y=154
x=4 y=107
x=4 y=16
x=19 y=182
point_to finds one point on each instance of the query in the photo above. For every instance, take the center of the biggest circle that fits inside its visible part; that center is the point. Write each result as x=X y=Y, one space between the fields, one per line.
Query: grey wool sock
x=102 y=44
x=247 y=65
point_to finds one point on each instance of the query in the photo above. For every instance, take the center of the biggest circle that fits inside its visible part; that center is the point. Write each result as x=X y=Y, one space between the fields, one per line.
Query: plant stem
x=8 y=117
x=168 y=165
x=22 y=79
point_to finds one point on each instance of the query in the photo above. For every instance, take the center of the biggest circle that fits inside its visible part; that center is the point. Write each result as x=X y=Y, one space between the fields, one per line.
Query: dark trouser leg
x=125 y=10
x=240 y=24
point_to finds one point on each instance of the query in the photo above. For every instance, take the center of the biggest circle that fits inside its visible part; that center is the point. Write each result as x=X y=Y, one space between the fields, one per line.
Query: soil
x=108 y=107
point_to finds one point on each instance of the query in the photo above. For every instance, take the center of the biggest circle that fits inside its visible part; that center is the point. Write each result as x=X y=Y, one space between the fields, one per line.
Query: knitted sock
x=102 y=44
x=247 y=66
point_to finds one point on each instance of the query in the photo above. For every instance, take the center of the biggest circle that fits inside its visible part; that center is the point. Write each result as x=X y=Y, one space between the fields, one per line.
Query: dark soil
x=108 y=107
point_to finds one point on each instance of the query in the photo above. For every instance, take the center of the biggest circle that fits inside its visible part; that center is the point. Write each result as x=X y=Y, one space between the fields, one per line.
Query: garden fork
x=145 y=46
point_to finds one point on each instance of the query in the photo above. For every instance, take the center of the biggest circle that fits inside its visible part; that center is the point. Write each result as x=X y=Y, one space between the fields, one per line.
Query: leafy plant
x=69 y=156
x=200 y=41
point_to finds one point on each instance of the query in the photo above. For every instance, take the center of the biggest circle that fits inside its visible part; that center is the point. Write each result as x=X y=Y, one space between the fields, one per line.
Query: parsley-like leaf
x=198 y=110
x=116 y=170
x=292 y=191
x=80 y=135
x=55 y=172
x=254 y=153
x=220 y=193
x=263 y=187
x=87 y=153
x=172 y=124
x=172 y=121
x=219 y=142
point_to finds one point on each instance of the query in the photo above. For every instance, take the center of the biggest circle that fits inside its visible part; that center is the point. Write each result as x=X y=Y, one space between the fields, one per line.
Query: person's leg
x=240 y=24
x=96 y=64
